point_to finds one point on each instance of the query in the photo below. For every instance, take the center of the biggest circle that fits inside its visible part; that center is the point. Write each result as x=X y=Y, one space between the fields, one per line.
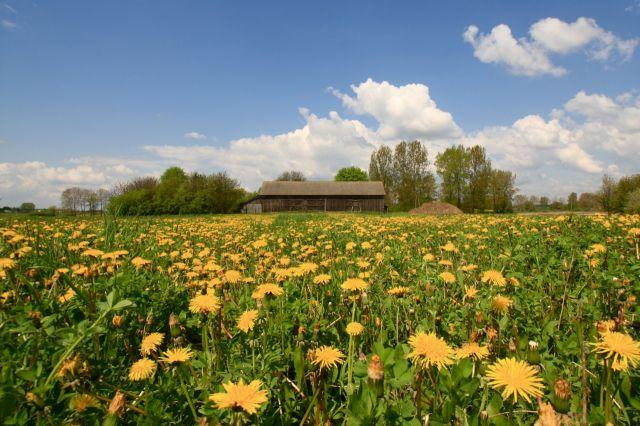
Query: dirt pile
x=436 y=207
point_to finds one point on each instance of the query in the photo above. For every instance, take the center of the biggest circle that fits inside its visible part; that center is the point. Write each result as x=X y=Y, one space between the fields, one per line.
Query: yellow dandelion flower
x=449 y=247
x=150 y=343
x=428 y=349
x=70 y=294
x=398 y=291
x=447 y=277
x=327 y=357
x=470 y=292
x=69 y=366
x=95 y=253
x=232 y=276
x=354 y=284
x=467 y=268
x=472 y=350
x=620 y=347
x=354 y=328
x=494 y=277
x=142 y=369
x=247 y=320
x=248 y=397
x=501 y=304
x=139 y=262
x=322 y=279
x=308 y=267
x=177 y=355
x=6 y=263
x=83 y=401
x=204 y=304
x=267 y=290
x=515 y=378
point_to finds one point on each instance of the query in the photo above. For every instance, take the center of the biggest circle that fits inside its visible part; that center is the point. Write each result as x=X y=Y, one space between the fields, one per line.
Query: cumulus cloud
x=194 y=135
x=589 y=135
x=401 y=111
x=520 y=56
x=530 y=56
x=318 y=148
x=38 y=182
x=566 y=150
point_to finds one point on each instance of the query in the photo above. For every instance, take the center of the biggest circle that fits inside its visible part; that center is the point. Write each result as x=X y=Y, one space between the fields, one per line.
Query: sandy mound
x=436 y=207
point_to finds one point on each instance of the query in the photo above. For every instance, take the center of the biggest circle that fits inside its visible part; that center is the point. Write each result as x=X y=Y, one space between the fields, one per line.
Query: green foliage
x=351 y=174
x=292 y=176
x=178 y=193
x=27 y=207
x=61 y=300
x=633 y=202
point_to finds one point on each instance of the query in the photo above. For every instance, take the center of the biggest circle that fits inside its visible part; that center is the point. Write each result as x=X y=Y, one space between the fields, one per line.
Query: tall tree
x=607 y=193
x=589 y=201
x=292 y=176
x=351 y=174
x=452 y=166
x=414 y=183
x=167 y=196
x=479 y=173
x=381 y=169
x=572 y=201
x=501 y=190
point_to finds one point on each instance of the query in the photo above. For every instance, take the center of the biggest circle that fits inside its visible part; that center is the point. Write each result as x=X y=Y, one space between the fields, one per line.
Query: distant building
x=319 y=196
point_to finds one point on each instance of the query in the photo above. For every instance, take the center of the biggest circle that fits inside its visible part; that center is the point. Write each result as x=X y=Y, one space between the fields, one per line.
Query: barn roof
x=324 y=188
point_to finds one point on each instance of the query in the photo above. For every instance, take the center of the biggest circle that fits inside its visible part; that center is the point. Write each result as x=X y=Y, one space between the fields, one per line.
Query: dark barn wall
x=322 y=203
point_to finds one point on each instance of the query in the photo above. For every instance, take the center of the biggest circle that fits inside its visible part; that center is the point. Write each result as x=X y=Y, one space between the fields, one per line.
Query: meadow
x=320 y=319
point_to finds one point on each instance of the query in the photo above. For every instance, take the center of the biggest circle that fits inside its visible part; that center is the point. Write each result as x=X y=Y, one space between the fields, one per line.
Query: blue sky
x=92 y=93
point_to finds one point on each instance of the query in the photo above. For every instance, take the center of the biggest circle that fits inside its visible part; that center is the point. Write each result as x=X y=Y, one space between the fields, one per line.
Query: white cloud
x=566 y=151
x=520 y=56
x=8 y=25
x=38 y=182
x=194 y=135
x=589 y=135
x=530 y=56
x=561 y=37
x=401 y=111
x=318 y=149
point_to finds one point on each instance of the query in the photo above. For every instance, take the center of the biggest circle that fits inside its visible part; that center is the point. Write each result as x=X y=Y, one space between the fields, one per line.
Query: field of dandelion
x=317 y=319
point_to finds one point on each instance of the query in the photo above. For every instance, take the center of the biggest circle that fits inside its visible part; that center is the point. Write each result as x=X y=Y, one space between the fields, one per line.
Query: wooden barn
x=319 y=196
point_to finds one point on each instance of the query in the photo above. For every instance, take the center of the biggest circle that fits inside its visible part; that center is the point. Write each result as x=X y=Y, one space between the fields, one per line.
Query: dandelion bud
x=546 y=415
x=174 y=326
x=562 y=389
x=117 y=321
x=512 y=346
x=378 y=322
x=33 y=398
x=375 y=371
x=484 y=415
x=116 y=406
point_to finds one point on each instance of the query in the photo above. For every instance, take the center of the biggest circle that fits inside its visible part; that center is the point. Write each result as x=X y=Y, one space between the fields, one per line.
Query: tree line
x=177 y=192
x=466 y=178
x=77 y=199
x=622 y=196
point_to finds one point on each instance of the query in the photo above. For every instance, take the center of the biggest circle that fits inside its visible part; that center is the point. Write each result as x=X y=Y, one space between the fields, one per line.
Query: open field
x=285 y=319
